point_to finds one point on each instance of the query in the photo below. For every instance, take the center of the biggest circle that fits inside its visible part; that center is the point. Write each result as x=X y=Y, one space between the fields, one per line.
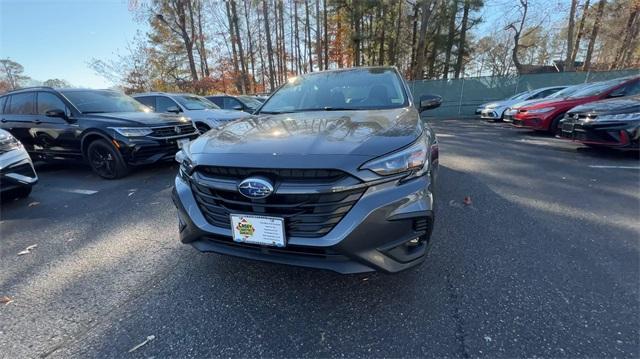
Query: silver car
x=204 y=113
x=17 y=174
x=494 y=111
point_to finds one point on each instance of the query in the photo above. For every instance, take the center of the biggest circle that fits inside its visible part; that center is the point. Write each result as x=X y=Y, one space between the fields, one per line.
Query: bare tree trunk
x=265 y=10
x=243 y=75
x=463 y=39
x=252 y=57
x=326 y=35
x=629 y=33
x=568 y=64
x=238 y=80
x=517 y=31
x=427 y=8
x=435 y=45
x=414 y=33
x=308 y=35
x=594 y=35
x=297 y=34
x=576 y=46
x=283 y=48
x=382 y=37
x=450 y=37
x=260 y=52
x=396 y=40
x=203 y=48
x=318 y=36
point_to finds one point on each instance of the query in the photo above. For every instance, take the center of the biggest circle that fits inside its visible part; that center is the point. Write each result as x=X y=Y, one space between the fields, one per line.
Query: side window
x=22 y=104
x=541 y=94
x=149 y=101
x=3 y=100
x=231 y=103
x=217 y=101
x=632 y=89
x=48 y=101
x=163 y=103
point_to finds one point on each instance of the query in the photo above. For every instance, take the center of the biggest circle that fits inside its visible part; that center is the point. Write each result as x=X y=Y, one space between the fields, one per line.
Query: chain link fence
x=461 y=97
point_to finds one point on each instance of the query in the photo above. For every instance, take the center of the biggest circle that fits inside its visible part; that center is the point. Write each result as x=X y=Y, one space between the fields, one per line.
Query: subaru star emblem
x=255 y=188
x=178 y=130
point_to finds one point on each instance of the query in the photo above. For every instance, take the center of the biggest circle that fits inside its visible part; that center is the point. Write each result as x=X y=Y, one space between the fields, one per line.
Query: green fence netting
x=462 y=96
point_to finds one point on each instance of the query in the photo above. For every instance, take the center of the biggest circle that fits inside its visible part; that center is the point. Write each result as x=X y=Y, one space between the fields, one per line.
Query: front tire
x=105 y=160
x=17 y=193
x=554 y=128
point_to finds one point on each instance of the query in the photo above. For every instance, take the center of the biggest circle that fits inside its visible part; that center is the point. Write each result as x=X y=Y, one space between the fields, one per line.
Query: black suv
x=109 y=130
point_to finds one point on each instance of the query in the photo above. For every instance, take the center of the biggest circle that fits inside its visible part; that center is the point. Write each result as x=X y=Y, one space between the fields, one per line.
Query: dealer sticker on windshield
x=262 y=230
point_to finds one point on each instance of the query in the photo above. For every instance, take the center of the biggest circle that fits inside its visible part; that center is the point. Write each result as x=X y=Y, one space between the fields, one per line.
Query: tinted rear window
x=22 y=104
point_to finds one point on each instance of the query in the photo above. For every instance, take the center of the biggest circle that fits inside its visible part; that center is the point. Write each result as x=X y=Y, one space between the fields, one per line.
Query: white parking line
x=79 y=191
x=617 y=167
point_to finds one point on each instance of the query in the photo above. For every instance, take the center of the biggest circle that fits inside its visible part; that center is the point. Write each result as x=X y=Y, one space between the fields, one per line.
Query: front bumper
x=147 y=150
x=623 y=135
x=373 y=235
x=16 y=170
x=490 y=114
x=530 y=122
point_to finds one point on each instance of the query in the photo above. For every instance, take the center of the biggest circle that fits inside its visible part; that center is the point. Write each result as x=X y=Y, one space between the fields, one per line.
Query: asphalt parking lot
x=543 y=263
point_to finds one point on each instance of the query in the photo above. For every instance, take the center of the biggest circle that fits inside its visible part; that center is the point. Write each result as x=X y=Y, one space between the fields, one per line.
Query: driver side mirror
x=56 y=113
x=174 y=109
x=237 y=107
x=428 y=102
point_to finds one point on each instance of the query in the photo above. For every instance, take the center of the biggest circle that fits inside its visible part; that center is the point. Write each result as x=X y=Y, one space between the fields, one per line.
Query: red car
x=546 y=116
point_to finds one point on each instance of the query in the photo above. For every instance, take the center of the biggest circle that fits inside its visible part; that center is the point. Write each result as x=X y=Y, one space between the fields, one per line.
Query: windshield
x=250 y=101
x=98 y=101
x=566 y=92
x=362 y=89
x=192 y=102
x=519 y=96
x=596 y=89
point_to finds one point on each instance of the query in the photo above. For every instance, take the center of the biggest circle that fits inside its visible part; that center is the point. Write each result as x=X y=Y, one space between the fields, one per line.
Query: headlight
x=8 y=142
x=632 y=116
x=186 y=165
x=132 y=131
x=541 y=110
x=412 y=158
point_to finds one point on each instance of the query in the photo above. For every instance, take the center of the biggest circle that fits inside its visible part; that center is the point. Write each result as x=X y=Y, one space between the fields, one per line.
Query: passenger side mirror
x=428 y=102
x=174 y=109
x=56 y=113
x=237 y=107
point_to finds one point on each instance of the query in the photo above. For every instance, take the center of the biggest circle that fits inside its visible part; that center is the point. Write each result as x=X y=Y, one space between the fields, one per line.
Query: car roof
x=158 y=93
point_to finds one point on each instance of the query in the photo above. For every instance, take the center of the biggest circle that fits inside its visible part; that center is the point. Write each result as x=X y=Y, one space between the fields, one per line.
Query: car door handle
x=37 y=122
x=3 y=120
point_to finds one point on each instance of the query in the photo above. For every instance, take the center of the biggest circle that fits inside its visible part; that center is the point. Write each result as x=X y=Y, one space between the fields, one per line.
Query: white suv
x=204 y=113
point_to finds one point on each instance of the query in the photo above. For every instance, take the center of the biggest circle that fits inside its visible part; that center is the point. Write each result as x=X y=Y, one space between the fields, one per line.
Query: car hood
x=611 y=106
x=137 y=118
x=218 y=115
x=527 y=103
x=361 y=133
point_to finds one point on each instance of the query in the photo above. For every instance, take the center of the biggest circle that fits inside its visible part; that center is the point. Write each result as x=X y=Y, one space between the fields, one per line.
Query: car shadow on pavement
x=501 y=279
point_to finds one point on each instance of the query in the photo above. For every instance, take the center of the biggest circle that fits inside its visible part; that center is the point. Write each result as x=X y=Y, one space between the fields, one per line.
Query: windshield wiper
x=94 y=111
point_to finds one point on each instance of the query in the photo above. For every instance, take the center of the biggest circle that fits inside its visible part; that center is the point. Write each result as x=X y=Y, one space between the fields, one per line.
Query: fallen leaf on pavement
x=27 y=250
x=467 y=200
x=33 y=204
x=5 y=300
x=149 y=338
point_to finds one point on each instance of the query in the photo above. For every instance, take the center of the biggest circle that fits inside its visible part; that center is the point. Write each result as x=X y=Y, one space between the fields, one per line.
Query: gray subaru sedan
x=334 y=171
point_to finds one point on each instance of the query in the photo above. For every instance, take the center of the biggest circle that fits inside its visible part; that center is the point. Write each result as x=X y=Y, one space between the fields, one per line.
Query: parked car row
x=110 y=131
x=605 y=113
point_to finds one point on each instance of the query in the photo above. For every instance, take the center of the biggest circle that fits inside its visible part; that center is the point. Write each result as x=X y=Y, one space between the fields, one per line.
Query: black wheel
x=202 y=128
x=20 y=192
x=105 y=160
x=555 y=128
